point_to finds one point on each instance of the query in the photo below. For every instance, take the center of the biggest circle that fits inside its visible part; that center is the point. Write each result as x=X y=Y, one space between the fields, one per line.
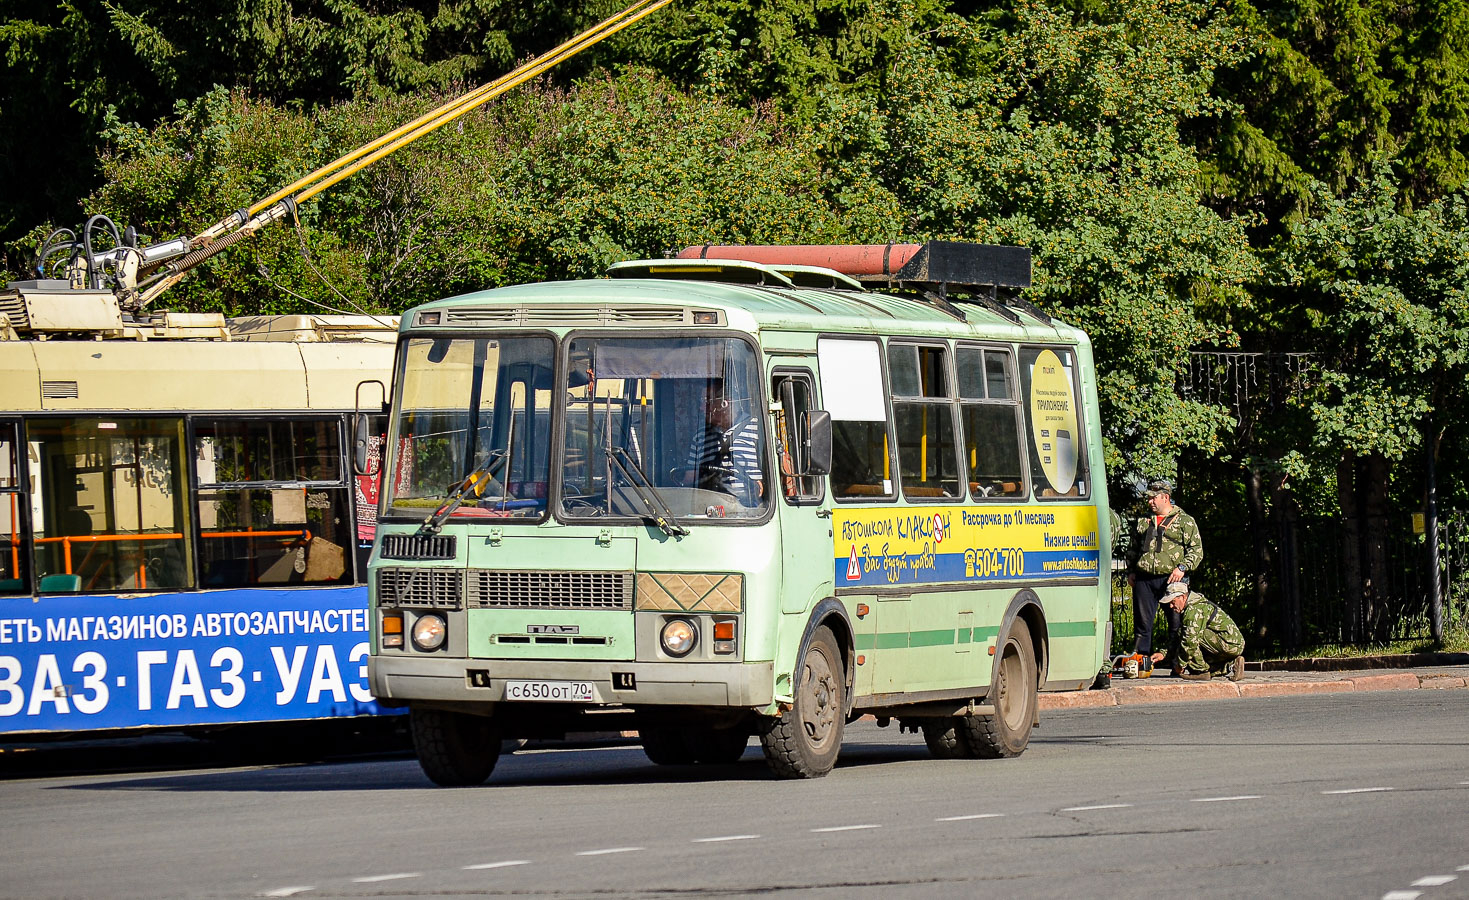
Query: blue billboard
x=80 y=663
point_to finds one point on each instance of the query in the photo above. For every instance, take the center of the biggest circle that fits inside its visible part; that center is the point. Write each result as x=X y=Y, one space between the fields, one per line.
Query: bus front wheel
x=804 y=741
x=1006 y=733
x=454 y=749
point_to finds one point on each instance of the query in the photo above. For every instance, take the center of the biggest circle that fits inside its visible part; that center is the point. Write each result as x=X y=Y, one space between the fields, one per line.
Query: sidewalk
x=1435 y=672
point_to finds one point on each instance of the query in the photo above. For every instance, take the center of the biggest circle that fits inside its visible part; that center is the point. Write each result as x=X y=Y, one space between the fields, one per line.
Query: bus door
x=805 y=524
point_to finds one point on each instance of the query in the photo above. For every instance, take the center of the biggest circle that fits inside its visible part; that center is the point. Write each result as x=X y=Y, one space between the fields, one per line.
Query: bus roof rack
x=989 y=275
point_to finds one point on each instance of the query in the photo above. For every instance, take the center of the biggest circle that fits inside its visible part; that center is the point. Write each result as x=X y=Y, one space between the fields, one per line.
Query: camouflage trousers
x=1220 y=650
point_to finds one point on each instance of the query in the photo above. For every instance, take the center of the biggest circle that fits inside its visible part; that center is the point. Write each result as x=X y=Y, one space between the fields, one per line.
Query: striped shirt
x=729 y=461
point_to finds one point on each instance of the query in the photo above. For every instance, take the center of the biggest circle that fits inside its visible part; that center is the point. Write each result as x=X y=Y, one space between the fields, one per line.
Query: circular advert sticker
x=1053 y=420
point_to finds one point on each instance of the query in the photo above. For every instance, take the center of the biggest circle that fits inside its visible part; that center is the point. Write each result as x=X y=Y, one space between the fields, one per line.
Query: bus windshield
x=473 y=409
x=656 y=425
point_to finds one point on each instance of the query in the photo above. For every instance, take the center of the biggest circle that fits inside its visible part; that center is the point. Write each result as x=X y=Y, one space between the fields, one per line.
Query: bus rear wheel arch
x=1014 y=696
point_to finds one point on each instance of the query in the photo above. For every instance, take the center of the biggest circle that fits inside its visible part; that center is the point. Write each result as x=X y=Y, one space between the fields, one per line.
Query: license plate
x=550 y=691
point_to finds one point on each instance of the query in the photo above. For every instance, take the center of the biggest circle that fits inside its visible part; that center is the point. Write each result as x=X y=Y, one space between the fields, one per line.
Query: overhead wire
x=283 y=202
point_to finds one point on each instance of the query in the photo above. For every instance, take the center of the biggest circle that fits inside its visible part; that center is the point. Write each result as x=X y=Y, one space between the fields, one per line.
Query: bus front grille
x=431 y=588
x=527 y=589
x=418 y=546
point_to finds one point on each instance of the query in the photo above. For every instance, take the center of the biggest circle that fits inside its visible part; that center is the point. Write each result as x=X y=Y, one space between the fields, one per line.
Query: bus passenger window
x=14 y=549
x=923 y=411
x=991 y=420
x=108 y=505
x=273 y=502
x=853 y=392
x=1048 y=384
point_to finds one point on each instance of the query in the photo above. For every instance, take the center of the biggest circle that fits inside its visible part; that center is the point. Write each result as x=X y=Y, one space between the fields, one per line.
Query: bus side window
x=992 y=423
x=854 y=392
x=14 y=544
x=109 y=504
x=923 y=412
x=793 y=392
x=1048 y=386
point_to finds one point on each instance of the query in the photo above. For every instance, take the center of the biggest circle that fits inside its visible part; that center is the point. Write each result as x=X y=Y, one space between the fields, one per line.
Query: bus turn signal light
x=392 y=634
x=724 y=635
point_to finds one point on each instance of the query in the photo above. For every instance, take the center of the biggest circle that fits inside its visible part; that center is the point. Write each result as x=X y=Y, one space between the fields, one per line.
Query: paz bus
x=182 y=544
x=903 y=520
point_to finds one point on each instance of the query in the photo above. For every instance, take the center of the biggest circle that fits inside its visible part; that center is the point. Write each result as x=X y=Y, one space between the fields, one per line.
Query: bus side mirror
x=362 y=432
x=363 y=463
x=817 y=426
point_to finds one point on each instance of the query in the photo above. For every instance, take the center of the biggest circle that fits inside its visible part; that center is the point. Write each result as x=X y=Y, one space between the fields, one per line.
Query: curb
x=1228 y=690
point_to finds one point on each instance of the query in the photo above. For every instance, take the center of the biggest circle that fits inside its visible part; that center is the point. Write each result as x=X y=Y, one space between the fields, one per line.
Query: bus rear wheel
x=454 y=749
x=805 y=740
x=1013 y=695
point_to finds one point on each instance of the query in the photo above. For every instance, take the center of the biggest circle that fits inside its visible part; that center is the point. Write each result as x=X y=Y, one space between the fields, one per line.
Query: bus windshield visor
x=472 y=438
x=663 y=422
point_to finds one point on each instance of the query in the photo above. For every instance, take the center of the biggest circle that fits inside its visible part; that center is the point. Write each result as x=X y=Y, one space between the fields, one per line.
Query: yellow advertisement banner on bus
x=931 y=545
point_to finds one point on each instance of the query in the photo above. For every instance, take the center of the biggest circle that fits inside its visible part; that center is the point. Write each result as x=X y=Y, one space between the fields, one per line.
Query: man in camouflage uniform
x=1210 y=643
x=1165 y=547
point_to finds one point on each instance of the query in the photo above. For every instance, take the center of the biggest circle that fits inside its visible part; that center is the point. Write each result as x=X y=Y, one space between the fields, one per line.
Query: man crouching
x=1211 y=643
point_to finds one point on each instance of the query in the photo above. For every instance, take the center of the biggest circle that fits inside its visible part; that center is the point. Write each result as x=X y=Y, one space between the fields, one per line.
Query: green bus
x=748 y=491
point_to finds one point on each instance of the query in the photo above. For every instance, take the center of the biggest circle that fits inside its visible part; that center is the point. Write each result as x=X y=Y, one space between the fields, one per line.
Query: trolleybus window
x=852 y=389
x=109 y=510
x=923 y=413
x=657 y=425
x=991 y=423
x=272 y=502
x=473 y=413
x=13 y=550
x=1049 y=388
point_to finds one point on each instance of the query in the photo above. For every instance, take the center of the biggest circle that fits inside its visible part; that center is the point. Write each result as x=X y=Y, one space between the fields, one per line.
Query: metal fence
x=1308 y=600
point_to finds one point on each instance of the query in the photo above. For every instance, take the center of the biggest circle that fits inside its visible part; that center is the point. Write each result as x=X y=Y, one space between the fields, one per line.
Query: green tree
x=1384 y=291
x=1064 y=136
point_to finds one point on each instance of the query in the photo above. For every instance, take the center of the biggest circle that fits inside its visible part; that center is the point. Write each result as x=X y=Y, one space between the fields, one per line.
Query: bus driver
x=725 y=456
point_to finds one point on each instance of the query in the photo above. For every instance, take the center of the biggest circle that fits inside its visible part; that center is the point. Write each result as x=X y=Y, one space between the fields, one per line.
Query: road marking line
x=843 y=828
x=1462 y=869
x=1435 y=880
x=1225 y=799
x=1358 y=790
x=728 y=837
x=499 y=865
x=1102 y=806
x=967 y=818
x=289 y=891
x=609 y=850
x=393 y=877
x=1402 y=895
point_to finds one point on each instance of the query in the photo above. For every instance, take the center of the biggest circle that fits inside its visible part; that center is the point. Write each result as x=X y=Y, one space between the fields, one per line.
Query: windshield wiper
x=474 y=481
x=659 y=512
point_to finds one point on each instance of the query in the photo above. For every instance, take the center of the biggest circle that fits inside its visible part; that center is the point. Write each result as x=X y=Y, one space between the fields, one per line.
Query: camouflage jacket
x=1209 y=636
x=1158 y=550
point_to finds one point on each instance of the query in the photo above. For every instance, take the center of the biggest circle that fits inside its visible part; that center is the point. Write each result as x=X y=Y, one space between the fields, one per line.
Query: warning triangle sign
x=854 y=567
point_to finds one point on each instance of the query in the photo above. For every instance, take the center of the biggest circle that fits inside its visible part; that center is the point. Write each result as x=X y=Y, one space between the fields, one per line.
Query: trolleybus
x=182 y=544
x=746 y=492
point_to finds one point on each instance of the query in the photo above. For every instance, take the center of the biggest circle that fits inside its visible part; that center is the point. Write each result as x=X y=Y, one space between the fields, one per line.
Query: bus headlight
x=679 y=637
x=428 y=632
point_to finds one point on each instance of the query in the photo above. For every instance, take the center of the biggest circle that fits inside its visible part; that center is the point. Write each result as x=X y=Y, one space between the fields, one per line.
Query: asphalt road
x=1352 y=795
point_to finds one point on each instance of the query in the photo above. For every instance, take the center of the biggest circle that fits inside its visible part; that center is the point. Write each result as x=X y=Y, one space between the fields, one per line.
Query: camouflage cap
x=1160 y=486
x=1177 y=587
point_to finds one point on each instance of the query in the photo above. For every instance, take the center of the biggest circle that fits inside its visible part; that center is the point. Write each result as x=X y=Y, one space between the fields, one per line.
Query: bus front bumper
x=738 y=685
